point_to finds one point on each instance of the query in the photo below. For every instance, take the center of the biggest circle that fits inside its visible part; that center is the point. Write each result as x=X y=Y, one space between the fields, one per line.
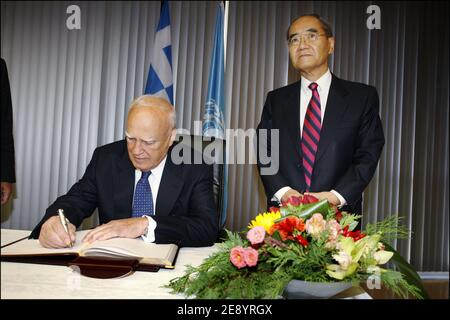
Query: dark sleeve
x=369 y=145
x=7 y=149
x=199 y=227
x=79 y=202
x=272 y=182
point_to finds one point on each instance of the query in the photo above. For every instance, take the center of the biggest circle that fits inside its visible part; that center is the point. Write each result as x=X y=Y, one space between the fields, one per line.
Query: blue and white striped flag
x=160 y=77
x=213 y=117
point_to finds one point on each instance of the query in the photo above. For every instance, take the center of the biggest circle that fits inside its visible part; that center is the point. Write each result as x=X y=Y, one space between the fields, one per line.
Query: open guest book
x=112 y=253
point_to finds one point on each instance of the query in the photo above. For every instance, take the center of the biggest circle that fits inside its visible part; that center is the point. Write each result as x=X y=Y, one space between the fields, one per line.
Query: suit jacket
x=350 y=145
x=185 y=211
x=7 y=154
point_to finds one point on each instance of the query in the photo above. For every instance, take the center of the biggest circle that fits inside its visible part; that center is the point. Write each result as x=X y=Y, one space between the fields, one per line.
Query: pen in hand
x=65 y=223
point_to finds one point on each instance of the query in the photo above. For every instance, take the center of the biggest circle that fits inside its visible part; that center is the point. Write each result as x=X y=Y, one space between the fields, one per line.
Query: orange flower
x=287 y=227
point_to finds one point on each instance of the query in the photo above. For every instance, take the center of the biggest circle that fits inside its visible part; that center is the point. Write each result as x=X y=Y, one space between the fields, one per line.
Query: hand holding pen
x=65 y=222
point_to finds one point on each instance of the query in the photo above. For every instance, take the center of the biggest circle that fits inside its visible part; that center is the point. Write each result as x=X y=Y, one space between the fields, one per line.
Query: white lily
x=382 y=256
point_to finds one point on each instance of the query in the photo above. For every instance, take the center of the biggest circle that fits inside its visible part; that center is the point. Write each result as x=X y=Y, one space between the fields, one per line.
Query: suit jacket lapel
x=170 y=187
x=123 y=186
x=293 y=116
x=336 y=107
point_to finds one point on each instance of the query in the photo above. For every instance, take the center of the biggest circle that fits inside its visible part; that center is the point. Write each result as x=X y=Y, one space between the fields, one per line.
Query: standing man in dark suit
x=8 y=175
x=330 y=133
x=138 y=190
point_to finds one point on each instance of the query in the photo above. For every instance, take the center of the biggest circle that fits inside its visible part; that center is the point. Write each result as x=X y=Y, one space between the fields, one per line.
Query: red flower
x=338 y=215
x=301 y=240
x=296 y=201
x=300 y=226
x=356 y=235
x=307 y=198
x=288 y=226
x=274 y=209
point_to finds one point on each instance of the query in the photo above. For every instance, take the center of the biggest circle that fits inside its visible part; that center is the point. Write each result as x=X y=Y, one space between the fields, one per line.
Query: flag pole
x=225 y=169
x=225 y=34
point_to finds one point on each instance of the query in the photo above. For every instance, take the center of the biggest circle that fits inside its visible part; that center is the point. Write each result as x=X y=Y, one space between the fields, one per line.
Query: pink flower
x=251 y=257
x=256 y=235
x=237 y=257
x=315 y=225
x=334 y=229
x=343 y=258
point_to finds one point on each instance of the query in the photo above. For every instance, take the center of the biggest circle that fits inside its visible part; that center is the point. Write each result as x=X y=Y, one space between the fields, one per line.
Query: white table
x=31 y=281
x=36 y=281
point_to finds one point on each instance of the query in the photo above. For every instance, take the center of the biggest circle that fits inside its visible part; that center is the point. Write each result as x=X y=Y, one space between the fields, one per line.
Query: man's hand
x=290 y=193
x=6 y=191
x=53 y=234
x=124 y=228
x=330 y=196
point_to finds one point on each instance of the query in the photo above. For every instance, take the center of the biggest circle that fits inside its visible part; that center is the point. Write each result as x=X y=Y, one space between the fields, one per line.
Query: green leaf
x=305 y=211
x=411 y=276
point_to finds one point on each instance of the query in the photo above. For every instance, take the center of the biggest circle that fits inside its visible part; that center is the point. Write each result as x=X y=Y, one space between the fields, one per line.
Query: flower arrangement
x=304 y=239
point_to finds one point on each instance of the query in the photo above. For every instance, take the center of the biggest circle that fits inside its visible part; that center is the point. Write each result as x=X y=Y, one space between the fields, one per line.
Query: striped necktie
x=311 y=134
x=143 y=199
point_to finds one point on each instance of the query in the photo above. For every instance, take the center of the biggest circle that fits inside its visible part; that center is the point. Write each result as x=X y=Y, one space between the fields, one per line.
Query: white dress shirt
x=154 y=179
x=323 y=88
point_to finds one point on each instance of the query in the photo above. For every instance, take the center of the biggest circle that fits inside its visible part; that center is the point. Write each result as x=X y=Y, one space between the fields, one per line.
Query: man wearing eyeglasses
x=137 y=189
x=330 y=133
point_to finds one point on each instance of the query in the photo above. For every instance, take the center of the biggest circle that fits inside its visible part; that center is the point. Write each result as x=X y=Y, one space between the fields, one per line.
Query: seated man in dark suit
x=330 y=133
x=7 y=173
x=138 y=190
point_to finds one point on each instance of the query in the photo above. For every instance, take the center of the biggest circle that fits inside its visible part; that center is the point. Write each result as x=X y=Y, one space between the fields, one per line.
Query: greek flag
x=160 y=78
x=213 y=119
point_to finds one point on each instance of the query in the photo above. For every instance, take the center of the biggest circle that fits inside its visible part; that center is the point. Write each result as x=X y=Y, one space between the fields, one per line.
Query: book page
x=33 y=247
x=149 y=253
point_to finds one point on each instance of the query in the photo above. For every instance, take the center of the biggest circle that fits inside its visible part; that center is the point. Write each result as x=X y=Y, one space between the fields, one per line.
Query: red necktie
x=311 y=134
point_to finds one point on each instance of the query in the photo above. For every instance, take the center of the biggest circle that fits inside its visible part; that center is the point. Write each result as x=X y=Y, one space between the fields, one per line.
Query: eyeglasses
x=295 y=39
